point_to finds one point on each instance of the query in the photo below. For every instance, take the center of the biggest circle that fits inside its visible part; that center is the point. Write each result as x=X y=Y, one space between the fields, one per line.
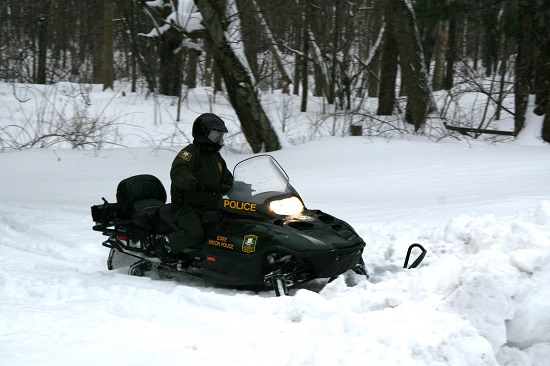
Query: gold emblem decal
x=249 y=243
x=185 y=155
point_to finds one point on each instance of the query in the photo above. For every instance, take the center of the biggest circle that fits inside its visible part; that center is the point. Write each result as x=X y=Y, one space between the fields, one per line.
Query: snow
x=186 y=17
x=482 y=210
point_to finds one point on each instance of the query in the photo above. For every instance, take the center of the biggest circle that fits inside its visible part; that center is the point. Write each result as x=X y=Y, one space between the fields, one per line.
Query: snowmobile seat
x=139 y=197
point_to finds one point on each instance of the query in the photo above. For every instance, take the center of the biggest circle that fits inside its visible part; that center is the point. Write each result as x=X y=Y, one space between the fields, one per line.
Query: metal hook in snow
x=420 y=257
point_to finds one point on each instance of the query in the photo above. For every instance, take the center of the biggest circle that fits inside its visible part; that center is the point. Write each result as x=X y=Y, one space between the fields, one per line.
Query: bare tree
x=97 y=42
x=523 y=62
x=411 y=61
x=273 y=46
x=442 y=42
x=43 y=21
x=304 y=67
x=108 y=39
x=128 y=17
x=167 y=36
x=388 y=72
x=375 y=34
x=242 y=95
x=542 y=67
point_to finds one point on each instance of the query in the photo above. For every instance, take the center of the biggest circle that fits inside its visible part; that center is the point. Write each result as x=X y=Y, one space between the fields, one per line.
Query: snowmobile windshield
x=258 y=179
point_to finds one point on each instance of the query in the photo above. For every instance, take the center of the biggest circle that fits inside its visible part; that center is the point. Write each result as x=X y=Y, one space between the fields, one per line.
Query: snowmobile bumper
x=335 y=262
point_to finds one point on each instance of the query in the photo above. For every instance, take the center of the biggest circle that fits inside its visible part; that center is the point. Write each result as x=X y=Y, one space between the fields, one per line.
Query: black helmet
x=209 y=129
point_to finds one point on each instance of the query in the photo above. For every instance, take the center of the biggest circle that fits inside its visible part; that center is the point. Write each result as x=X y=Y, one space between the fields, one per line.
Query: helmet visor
x=216 y=137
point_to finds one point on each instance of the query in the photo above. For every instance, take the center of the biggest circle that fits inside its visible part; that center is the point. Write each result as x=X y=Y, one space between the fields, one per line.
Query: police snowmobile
x=261 y=237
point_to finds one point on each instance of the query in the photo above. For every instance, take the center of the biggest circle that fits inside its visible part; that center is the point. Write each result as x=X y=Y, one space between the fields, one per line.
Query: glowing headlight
x=287 y=207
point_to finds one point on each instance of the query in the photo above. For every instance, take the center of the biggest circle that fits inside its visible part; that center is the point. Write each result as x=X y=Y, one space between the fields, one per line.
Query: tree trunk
x=296 y=78
x=523 y=63
x=251 y=34
x=304 y=66
x=42 y=38
x=388 y=73
x=451 y=56
x=320 y=70
x=128 y=17
x=42 y=50
x=411 y=60
x=546 y=124
x=336 y=29
x=373 y=77
x=170 y=63
x=541 y=72
x=502 y=84
x=192 y=64
x=440 y=54
x=275 y=52
x=97 y=43
x=377 y=31
x=254 y=122
x=108 y=65
x=218 y=82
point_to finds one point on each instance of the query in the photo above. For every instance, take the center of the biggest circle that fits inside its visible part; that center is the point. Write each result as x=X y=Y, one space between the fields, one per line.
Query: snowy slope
x=480 y=297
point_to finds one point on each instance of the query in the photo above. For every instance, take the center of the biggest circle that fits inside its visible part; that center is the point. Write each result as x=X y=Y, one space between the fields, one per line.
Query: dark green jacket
x=194 y=164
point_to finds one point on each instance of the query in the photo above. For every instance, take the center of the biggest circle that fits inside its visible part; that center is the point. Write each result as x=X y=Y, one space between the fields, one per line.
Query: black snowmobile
x=262 y=236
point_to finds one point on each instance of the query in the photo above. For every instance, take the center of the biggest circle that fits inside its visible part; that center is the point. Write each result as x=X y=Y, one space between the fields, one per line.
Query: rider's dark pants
x=191 y=233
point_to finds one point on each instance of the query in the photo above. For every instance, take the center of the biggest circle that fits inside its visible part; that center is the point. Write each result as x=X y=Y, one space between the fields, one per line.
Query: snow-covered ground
x=481 y=296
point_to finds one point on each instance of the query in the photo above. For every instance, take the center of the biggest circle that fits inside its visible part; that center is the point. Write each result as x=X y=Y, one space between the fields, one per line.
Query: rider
x=199 y=177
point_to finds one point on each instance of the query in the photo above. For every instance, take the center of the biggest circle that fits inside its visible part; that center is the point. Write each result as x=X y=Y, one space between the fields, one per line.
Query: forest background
x=404 y=66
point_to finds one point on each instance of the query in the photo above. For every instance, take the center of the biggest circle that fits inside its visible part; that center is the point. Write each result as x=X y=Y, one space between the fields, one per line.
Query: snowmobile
x=261 y=237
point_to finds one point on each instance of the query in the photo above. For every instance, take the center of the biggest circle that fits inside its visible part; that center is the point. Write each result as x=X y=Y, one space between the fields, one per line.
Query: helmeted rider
x=199 y=177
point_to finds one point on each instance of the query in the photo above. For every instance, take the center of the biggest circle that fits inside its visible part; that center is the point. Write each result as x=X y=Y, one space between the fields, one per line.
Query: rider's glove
x=225 y=189
x=208 y=188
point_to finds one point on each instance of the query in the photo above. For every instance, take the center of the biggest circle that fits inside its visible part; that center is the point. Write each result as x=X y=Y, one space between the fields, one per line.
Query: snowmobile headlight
x=287 y=207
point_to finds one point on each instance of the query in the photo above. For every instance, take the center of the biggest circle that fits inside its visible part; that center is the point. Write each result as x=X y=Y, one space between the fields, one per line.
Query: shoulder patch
x=185 y=155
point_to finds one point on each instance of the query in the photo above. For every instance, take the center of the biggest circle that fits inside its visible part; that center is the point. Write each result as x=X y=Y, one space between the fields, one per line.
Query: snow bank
x=492 y=272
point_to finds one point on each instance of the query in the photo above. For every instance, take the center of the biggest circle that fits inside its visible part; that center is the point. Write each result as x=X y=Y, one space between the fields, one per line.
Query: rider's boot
x=162 y=250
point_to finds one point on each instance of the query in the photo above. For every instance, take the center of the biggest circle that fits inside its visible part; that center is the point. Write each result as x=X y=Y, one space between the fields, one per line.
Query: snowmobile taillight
x=287 y=207
x=211 y=259
x=122 y=237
